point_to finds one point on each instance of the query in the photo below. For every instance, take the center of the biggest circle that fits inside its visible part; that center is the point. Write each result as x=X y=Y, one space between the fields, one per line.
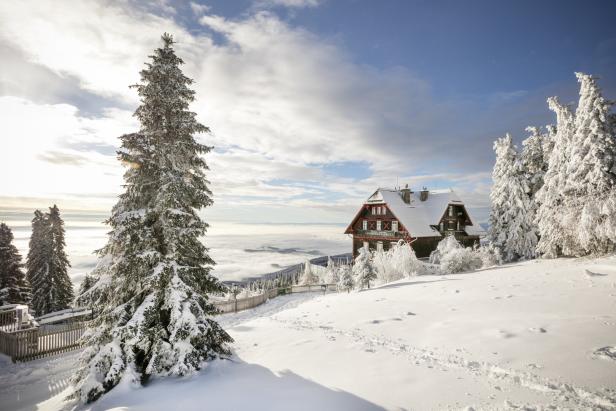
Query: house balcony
x=394 y=235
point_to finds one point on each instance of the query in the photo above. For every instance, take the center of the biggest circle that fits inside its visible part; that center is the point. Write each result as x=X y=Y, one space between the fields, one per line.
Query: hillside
x=540 y=334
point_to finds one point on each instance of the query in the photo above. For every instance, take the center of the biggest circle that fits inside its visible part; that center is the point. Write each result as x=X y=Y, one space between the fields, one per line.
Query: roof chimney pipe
x=406 y=194
x=423 y=194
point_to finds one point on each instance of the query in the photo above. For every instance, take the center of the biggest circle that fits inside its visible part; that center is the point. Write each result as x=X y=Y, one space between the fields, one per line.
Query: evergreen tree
x=14 y=288
x=308 y=277
x=155 y=273
x=533 y=160
x=592 y=182
x=333 y=275
x=63 y=294
x=363 y=269
x=38 y=264
x=346 y=281
x=511 y=215
x=47 y=264
x=554 y=236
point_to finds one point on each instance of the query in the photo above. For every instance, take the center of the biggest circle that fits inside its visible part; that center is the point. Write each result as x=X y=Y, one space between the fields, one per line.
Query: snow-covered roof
x=418 y=216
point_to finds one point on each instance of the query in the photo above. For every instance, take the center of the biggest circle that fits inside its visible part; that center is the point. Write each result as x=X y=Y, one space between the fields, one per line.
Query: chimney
x=423 y=194
x=406 y=194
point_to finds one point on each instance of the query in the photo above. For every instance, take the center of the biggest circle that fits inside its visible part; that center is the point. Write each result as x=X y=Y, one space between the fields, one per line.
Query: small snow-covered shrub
x=454 y=258
x=490 y=255
x=396 y=263
x=445 y=246
x=459 y=260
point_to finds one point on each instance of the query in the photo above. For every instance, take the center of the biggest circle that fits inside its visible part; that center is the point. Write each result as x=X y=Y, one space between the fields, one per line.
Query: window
x=366 y=245
x=378 y=225
x=442 y=226
x=379 y=246
x=373 y=209
x=394 y=226
x=458 y=228
x=450 y=211
x=364 y=225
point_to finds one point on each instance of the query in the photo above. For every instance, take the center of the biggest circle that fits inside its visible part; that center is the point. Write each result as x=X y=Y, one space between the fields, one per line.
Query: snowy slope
x=530 y=334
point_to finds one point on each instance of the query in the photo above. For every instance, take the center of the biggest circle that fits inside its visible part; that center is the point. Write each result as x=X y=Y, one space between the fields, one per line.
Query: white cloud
x=288 y=3
x=279 y=99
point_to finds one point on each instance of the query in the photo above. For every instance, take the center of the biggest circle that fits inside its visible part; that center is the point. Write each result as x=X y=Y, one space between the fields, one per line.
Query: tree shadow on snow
x=234 y=385
x=408 y=283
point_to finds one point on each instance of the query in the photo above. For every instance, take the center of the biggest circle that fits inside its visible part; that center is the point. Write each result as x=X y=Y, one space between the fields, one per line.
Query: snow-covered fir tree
x=62 y=290
x=553 y=235
x=363 y=269
x=37 y=264
x=577 y=212
x=155 y=317
x=332 y=274
x=308 y=276
x=47 y=264
x=589 y=193
x=346 y=280
x=511 y=215
x=533 y=162
x=14 y=287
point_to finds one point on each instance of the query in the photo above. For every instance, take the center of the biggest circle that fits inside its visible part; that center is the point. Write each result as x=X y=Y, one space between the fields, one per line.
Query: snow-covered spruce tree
x=308 y=276
x=38 y=264
x=590 y=189
x=533 y=161
x=62 y=287
x=14 y=288
x=332 y=275
x=363 y=269
x=511 y=215
x=346 y=281
x=554 y=236
x=47 y=264
x=155 y=317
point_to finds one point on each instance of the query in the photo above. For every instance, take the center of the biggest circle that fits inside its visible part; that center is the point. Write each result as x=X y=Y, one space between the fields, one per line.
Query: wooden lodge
x=421 y=219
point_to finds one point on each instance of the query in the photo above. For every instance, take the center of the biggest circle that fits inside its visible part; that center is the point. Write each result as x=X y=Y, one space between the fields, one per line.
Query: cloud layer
x=291 y=112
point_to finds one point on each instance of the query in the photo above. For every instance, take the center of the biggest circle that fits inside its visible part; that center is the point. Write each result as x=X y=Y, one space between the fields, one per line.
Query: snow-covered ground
x=540 y=334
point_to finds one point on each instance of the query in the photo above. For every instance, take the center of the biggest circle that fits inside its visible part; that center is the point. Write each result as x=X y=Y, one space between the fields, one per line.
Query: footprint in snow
x=591 y=274
x=410 y=313
x=375 y=321
x=607 y=353
x=538 y=330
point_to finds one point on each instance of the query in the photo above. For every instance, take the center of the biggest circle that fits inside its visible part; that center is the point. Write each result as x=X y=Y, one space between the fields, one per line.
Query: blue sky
x=312 y=103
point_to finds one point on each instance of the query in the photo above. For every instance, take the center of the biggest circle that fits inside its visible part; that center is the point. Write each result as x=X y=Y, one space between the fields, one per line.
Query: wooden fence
x=240 y=304
x=32 y=343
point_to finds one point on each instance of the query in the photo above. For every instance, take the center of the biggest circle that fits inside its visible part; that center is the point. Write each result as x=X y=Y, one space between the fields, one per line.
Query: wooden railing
x=240 y=304
x=32 y=343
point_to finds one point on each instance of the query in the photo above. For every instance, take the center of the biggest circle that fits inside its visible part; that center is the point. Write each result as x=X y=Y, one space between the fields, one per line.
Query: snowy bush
x=396 y=263
x=446 y=245
x=460 y=260
x=454 y=258
x=490 y=255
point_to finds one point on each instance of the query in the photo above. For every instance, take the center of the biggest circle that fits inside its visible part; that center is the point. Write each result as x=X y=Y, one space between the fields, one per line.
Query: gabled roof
x=418 y=216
